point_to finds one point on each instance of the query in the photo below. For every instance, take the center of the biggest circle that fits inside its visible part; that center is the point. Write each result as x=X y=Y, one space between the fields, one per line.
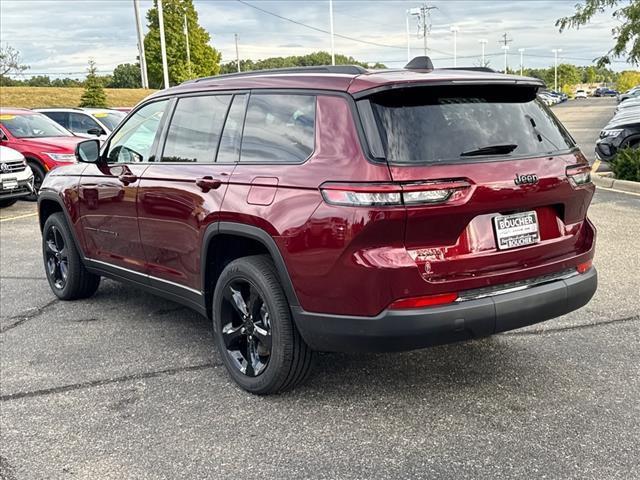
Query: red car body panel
x=37 y=148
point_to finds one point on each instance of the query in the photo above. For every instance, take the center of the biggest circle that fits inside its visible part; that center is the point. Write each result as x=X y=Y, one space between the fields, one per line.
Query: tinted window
x=279 y=128
x=134 y=141
x=59 y=117
x=32 y=126
x=439 y=124
x=81 y=123
x=229 y=150
x=195 y=129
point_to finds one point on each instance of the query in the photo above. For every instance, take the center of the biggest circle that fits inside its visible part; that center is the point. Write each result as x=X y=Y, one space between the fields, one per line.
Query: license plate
x=516 y=230
x=9 y=184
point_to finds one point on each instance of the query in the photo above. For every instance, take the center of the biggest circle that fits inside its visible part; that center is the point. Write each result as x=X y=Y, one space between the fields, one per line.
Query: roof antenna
x=420 y=63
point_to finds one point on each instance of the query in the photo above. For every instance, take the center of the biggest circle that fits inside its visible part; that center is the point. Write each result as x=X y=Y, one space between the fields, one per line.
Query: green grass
x=34 y=97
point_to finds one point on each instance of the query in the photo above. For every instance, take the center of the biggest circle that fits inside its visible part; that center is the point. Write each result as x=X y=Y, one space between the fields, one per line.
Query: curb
x=606 y=180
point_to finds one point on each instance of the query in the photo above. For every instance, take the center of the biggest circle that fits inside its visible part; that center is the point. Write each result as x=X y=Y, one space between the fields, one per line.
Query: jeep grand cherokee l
x=332 y=209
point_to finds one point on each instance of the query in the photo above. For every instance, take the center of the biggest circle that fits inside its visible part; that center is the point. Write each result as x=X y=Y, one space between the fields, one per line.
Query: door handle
x=208 y=183
x=127 y=178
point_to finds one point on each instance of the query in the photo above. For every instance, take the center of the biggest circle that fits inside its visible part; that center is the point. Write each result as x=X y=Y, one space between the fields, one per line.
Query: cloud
x=58 y=37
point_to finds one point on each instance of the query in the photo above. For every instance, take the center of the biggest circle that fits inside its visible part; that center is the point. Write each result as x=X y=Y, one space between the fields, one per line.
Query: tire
x=38 y=178
x=67 y=276
x=8 y=202
x=265 y=342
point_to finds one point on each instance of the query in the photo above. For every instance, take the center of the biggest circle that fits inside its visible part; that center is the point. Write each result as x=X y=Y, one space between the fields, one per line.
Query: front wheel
x=254 y=332
x=67 y=276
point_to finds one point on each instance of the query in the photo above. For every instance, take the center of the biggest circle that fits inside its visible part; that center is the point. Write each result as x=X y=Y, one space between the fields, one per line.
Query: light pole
x=186 y=37
x=521 y=50
x=455 y=30
x=333 y=52
x=406 y=17
x=235 y=36
x=483 y=42
x=143 y=60
x=412 y=12
x=163 y=48
x=555 y=70
x=506 y=49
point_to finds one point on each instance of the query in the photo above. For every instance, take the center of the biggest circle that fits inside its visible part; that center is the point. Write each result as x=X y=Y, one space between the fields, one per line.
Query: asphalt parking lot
x=127 y=385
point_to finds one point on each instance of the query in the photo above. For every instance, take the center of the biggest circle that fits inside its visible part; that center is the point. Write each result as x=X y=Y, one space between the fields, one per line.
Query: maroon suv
x=332 y=209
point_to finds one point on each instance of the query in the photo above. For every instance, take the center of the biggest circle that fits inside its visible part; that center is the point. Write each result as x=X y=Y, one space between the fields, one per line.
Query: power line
x=318 y=29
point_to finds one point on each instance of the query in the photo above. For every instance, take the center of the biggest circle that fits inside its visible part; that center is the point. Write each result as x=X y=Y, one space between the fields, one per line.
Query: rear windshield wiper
x=491 y=150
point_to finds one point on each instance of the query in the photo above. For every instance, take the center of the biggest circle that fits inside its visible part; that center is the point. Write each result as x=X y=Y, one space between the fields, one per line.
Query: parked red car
x=45 y=144
x=332 y=209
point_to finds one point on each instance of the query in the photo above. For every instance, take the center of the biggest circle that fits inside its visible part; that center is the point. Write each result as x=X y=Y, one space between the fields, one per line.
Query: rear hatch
x=495 y=189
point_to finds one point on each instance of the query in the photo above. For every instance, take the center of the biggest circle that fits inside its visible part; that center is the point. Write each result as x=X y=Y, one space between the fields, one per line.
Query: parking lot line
x=6 y=219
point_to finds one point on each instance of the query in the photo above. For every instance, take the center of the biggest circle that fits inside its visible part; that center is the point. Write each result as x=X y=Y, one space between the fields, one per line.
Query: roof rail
x=344 y=69
x=471 y=69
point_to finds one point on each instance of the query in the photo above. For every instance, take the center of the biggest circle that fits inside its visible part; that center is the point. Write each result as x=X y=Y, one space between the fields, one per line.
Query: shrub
x=626 y=165
x=93 y=95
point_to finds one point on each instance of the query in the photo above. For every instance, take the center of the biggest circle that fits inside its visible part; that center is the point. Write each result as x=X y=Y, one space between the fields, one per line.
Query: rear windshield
x=110 y=119
x=32 y=126
x=461 y=123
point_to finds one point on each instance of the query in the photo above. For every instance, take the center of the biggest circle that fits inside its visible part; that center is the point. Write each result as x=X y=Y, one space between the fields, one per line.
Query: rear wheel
x=67 y=276
x=38 y=178
x=254 y=332
x=7 y=203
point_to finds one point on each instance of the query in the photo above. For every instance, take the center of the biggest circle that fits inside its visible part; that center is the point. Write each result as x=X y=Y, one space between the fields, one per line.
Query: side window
x=229 y=150
x=279 y=128
x=61 y=118
x=133 y=142
x=195 y=129
x=81 y=123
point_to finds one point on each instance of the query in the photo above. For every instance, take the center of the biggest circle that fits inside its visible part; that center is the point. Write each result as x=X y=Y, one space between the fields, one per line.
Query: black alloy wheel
x=246 y=327
x=56 y=257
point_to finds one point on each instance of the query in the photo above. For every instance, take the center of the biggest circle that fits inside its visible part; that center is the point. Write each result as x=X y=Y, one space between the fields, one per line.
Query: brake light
x=393 y=194
x=579 y=175
x=583 y=267
x=426 y=301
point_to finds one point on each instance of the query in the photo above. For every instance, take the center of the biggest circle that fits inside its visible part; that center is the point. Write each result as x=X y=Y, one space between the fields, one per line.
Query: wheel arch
x=226 y=241
x=50 y=203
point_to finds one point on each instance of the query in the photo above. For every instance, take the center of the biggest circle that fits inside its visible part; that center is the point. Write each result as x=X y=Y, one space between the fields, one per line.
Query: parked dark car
x=605 y=92
x=332 y=209
x=621 y=132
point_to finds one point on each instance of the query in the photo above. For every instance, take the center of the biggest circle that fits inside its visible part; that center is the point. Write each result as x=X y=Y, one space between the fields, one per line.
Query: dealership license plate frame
x=508 y=238
x=9 y=183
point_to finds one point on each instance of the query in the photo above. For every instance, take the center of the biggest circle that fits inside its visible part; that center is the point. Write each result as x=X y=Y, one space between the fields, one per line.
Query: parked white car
x=16 y=178
x=580 y=94
x=85 y=122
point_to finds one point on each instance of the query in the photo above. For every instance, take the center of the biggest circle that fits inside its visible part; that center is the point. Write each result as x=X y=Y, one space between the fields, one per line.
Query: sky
x=57 y=37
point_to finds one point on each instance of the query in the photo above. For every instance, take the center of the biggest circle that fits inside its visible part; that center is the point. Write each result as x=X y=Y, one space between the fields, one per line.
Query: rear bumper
x=396 y=330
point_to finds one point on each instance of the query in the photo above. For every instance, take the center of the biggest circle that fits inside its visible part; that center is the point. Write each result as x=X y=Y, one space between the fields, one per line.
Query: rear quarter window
x=279 y=128
x=440 y=124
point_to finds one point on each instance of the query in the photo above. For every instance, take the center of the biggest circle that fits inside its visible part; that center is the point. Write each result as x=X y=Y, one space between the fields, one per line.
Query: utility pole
x=406 y=17
x=555 y=72
x=455 y=29
x=423 y=14
x=163 y=48
x=237 y=52
x=333 y=51
x=483 y=42
x=143 y=61
x=521 y=50
x=186 y=36
x=505 y=46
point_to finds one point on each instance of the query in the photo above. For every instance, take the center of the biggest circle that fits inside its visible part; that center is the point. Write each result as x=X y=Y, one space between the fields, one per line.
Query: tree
x=10 y=61
x=126 y=75
x=93 y=95
x=39 y=81
x=626 y=35
x=312 y=59
x=205 y=60
x=627 y=79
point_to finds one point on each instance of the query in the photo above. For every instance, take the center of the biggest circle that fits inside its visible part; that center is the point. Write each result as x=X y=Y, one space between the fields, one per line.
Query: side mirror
x=88 y=151
x=96 y=131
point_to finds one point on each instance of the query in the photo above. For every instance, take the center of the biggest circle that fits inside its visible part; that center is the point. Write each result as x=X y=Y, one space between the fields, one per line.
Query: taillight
x=424 y=301
x=579 y=175
x=584 y=266
x=393 y=194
